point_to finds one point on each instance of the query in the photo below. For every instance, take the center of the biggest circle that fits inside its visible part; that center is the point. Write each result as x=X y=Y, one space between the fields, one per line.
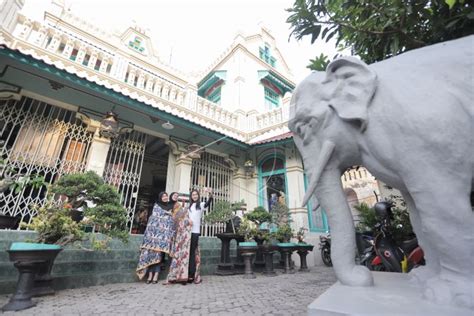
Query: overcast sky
x=192 y=33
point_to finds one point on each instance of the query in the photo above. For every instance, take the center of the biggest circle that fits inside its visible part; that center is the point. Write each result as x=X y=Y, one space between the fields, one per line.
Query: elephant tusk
x=326 y=152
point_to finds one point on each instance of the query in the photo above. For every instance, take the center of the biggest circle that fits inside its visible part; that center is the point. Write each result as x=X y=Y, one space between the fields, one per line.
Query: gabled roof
x=240 y=44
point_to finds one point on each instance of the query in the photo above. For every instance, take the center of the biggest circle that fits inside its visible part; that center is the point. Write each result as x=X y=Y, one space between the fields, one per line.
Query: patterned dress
x=157 y=239
x=178 y=271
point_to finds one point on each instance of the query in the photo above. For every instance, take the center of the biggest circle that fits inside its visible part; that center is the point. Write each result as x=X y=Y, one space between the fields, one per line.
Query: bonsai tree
x=86 y=192
x=223 y=212
x=259 y=216
x=280 y=214
x=300 y=234
x=247 y=229
x=284 y=233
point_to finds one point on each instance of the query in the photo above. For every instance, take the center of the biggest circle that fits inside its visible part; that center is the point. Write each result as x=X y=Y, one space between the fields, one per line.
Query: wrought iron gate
x=212 y=171
x=39 y=139
x=124 y=167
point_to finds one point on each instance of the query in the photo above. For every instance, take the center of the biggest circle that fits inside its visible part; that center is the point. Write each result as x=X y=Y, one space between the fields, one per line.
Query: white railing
x=100 y=60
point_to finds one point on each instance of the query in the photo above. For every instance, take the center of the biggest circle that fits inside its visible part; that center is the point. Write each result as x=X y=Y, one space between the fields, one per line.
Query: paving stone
x=217 y=295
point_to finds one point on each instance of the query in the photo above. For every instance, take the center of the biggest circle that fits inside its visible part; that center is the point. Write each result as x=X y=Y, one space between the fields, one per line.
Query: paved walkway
x=232 y=295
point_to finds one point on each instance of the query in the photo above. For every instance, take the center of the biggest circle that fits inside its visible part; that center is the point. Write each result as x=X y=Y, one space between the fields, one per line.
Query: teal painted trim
x=274 y=143
x=210 y=79
x=24 y=246
x=312 y=226
x=261 y=175
x=276 y=80
x=133 y=104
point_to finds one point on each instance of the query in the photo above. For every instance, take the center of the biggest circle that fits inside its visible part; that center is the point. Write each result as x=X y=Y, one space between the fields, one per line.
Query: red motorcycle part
x=416 y=256
x=376 y=261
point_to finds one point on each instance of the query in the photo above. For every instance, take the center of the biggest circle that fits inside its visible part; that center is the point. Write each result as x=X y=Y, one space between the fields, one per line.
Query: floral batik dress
x=157 y=239
x=180 y=250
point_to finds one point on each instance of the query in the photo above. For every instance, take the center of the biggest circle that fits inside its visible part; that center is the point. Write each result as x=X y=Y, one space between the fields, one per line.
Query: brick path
x=217 y=295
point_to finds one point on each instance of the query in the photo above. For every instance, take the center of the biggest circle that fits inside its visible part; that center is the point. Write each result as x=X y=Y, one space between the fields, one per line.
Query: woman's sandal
x=148 y=281
x=197 y=281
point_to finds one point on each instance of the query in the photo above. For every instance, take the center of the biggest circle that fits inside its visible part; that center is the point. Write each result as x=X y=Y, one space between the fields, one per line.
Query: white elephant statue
x=409 y=121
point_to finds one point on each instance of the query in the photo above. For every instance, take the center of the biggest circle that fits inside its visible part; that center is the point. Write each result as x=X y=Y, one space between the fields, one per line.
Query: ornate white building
x=59 y=77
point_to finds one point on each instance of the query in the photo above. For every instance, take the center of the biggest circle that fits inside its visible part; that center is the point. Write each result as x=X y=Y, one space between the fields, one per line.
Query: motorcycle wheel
x=326 y=256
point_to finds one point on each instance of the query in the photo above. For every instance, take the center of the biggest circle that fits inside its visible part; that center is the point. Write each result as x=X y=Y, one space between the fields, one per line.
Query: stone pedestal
x=268 y=251
x=248 y=250
x=302 y=250
x=259 y=263
x=239 y=264
x=225 y=266
x=392 y=294
x=286 y=249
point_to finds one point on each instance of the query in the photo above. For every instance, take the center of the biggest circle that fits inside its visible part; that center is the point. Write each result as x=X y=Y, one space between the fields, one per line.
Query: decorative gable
x=136 y=39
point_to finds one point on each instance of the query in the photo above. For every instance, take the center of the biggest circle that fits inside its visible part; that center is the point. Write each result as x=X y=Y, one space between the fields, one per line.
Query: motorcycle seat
x=408 y=245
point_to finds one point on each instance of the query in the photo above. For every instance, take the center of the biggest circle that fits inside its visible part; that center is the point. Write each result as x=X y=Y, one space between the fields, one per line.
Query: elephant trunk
x=332 y=198
x=326 y=151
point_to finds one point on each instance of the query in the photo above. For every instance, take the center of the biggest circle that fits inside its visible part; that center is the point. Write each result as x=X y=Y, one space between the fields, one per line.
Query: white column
x=190 y=97
x=40 y=36
x=149 y=83
x=98 y=153
x=81 y=53
x=92 y=60
x=164 y=92
x=182 y=175
x=68 y=49
x=25 y=30
x=157 y=87
x=55 y=41
x=131 y=77
x=141 y=81
x=179 y=99
x=171 y=172
x=239 y=185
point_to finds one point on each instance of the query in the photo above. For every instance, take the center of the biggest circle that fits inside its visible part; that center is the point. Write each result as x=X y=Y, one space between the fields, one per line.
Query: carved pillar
x=81 y=54
x=164 y=91
x=157 y=87
x=183 y=173
x=98 y=151
x=141 y=81
x=104 y=64
x=40 y=36
x=131 y=76
x=54 y=44
x=92 y=60
x=149 y=84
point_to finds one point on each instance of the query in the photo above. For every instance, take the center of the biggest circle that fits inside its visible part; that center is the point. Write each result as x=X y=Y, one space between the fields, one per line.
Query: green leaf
x=450 y=3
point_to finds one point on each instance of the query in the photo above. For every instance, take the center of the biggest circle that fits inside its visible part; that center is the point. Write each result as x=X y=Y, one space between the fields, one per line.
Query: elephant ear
x=355 y=86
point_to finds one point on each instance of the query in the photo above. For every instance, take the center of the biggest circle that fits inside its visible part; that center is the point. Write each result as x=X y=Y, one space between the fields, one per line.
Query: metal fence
x=38 y=140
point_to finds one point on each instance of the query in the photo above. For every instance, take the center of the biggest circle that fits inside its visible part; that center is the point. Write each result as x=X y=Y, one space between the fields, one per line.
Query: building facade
x=227 y=130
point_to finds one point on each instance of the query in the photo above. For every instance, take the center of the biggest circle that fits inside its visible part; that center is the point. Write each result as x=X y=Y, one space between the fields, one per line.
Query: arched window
x=272 y=181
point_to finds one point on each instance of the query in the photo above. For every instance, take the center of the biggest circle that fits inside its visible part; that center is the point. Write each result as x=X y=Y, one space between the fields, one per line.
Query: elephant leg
x=447 y=221
x=432 y=268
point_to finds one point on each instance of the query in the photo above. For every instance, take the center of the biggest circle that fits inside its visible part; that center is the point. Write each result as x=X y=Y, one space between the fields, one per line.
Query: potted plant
x=302 y=248
x=56 y=228
x=259 y=216
x=224 y=212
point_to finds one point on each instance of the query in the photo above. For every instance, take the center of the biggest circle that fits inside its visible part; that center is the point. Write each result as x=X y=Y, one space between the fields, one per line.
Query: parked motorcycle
x=365 y=252
x=365 y=249
x=391 y=256
x=325 y=247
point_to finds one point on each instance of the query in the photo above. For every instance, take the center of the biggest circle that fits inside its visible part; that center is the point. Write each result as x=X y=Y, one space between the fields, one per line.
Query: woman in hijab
x=174 y=199
x=157 y=239
x=181 y=249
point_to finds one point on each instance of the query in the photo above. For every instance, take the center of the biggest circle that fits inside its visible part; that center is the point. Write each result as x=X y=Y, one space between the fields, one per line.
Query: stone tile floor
x=284 y=294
